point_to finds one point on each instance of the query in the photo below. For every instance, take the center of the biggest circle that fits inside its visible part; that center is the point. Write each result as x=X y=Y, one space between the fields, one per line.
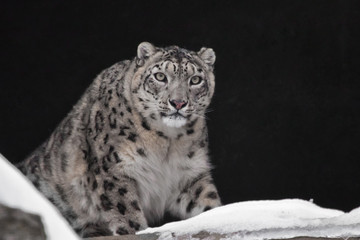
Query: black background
x=285 y=120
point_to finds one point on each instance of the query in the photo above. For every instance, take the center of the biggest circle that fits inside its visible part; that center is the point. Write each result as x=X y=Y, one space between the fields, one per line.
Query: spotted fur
x=134 y=147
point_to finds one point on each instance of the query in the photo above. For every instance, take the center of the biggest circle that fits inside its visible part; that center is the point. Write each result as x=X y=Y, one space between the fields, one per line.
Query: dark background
x=285 y=120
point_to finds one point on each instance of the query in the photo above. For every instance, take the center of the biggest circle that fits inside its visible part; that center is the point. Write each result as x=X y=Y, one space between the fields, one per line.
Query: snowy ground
x=265 y=220
x=245 y=220
x=17 y=192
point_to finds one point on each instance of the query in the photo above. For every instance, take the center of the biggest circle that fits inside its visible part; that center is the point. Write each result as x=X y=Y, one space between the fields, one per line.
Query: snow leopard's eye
x=195 y=80
x=160 y=76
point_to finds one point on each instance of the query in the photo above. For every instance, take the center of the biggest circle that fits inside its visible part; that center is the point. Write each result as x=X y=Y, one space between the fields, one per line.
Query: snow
x=16 y=191
x=264 y=220
x=244 y=220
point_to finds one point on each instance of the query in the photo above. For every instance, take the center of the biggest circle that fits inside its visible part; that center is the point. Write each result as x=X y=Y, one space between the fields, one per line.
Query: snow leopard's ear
x=207 y=55
x=144 y=51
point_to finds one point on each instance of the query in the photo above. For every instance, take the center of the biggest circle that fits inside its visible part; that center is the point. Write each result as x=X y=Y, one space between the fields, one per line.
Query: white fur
x=174 y=121
x=166 y=170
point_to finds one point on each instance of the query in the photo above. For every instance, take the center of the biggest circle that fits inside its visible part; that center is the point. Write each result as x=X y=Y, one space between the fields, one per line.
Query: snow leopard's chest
x=160 y=177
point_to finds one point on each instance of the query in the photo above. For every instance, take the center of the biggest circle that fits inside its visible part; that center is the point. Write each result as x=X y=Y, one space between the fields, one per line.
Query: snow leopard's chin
x=175 y=120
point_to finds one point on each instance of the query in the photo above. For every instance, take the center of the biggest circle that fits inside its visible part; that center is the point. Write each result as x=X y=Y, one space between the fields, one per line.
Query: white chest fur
x=162 y=174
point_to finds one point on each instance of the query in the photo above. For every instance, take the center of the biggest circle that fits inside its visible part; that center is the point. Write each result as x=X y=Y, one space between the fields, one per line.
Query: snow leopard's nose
x=177 y=104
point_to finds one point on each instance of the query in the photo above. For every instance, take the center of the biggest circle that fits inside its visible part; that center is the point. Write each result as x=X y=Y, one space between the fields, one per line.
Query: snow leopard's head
x=173 y=85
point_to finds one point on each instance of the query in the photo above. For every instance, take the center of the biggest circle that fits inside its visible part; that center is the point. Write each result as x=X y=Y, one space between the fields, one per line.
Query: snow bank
x=17 y=192
x=244 y=220
x=264 y=220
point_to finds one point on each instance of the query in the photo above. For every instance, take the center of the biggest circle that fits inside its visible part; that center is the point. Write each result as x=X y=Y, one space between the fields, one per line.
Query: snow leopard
x=135 y=146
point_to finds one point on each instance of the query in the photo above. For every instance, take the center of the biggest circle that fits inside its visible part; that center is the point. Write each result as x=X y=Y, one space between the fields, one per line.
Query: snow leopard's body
x=134 y=147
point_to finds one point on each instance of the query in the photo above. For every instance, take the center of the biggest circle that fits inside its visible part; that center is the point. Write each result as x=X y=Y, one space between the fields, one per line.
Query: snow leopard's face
x=173 y=85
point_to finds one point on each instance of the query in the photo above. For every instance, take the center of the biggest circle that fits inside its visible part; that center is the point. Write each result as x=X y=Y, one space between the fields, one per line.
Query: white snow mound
x=17 y=191
x=244 y=220
x=265 y=220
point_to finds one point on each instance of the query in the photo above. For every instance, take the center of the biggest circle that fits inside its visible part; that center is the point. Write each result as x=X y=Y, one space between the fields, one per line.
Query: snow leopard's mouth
x=176 y=116
x=173 y=115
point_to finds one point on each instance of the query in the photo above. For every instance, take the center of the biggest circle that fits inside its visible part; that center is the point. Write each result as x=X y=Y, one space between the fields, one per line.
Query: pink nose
x=178 y=104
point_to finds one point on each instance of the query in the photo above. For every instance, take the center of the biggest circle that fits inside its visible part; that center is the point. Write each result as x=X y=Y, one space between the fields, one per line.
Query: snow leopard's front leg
x=118 y=206
x=198 y=195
